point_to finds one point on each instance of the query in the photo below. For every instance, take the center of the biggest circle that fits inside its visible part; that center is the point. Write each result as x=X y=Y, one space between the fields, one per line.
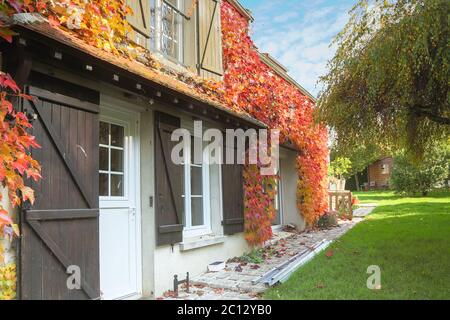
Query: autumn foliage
x=256 y=89
x=15 y=159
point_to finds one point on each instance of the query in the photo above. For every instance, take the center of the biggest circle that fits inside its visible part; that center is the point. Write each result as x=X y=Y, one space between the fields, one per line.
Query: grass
x=408 y=238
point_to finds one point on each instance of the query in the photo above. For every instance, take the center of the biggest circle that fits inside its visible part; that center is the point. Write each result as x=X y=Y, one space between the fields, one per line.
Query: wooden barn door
x=60 y=231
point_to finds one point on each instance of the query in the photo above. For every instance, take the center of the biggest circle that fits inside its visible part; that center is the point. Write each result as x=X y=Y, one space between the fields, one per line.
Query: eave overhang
x=42 y=41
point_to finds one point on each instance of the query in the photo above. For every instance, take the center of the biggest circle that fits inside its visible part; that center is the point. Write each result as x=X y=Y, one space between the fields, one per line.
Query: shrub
x=328 y=220
x=409 y=177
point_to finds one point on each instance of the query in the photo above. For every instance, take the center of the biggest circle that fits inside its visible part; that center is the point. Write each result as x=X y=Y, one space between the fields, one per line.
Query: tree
x=360 y=157
x=388 y=81
x=410 y=178
x=340 y=168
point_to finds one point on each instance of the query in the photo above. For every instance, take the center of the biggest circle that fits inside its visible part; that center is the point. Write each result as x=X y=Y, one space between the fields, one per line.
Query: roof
x=137 y=68
x=282 y=71
x=242 y=10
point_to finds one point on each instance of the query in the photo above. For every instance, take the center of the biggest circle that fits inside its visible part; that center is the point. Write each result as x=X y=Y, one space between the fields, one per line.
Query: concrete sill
x=201 y=243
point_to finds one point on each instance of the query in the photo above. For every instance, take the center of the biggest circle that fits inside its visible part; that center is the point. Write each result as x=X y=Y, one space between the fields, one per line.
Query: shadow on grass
x=392 y=196
x=411 y=209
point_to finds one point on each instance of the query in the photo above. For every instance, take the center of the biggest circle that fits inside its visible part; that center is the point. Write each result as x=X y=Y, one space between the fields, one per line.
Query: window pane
x=170 y=35
x=117 y=136
x=196 y=181
x=116 y=185
x=116 y=160
x=103 y=159
x=104 y=133
x=103 y=184
x=197 y=212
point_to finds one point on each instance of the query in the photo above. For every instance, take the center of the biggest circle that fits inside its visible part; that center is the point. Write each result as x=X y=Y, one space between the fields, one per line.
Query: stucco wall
x=289 y=179
x=169 y=262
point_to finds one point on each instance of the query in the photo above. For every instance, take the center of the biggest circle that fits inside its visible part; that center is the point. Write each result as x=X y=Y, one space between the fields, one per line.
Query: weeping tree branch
x=421 y=111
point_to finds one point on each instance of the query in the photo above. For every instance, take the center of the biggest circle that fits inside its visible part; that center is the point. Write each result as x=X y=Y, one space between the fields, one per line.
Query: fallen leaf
x=200 y=293
x=320 y=286
x=329 y=253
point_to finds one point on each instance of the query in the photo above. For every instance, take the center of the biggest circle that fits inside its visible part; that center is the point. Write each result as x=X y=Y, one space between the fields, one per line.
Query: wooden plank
x=168 y=183
x=62 y=152
x=61 y=228
x=64 y=100
x=210 y=39
x=170 y=175
x=63 y=214
x=233 y=197
x=59 y=254
x=171 y=228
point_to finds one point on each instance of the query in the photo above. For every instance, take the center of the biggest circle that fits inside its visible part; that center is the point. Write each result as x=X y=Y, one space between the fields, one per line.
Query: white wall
x=289 y=179
x=169 y=262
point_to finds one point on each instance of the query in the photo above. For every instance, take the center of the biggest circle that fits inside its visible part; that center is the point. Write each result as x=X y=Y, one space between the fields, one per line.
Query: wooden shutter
x=233 y=197
x=210 y=38
x=62 y=227
x=140 y=21
x=169 y=182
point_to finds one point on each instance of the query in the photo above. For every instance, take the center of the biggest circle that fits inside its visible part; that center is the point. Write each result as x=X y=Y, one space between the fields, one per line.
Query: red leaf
x=53 y=21
x=5 y=219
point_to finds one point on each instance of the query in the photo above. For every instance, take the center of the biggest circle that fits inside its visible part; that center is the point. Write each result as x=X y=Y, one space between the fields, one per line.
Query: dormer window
x=166 y=28
x=183 y=31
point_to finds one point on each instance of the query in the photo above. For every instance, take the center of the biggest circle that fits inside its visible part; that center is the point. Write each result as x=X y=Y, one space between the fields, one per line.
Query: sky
x=298 y=33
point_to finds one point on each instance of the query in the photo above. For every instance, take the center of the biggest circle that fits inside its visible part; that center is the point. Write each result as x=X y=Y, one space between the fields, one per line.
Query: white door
x=120 y=265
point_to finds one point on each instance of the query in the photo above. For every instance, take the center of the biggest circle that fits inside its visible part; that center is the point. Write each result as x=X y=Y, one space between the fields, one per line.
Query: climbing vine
x=100 y=23
x=16 y=164
x=254 y=87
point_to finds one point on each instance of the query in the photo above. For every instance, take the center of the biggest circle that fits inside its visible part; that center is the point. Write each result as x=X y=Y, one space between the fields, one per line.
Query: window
x=111 y=160
x=384 y=169
x=196 y=216
x=166 y=25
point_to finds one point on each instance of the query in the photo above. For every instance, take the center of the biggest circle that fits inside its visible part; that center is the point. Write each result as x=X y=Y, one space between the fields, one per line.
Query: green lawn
x=408 y=238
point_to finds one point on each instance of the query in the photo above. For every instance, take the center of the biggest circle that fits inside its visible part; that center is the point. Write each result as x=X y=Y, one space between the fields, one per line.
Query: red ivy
x=256 y=89
x=16 y=142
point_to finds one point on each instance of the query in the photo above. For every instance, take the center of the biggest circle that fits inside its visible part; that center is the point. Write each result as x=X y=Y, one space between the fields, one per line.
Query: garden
x=406 y=237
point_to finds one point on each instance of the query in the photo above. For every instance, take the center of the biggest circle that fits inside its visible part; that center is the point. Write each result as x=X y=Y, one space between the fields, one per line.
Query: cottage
x=111 y=202
x=379 y=173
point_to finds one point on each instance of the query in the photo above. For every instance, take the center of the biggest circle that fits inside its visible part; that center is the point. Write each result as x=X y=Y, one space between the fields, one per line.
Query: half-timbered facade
x=111 y=203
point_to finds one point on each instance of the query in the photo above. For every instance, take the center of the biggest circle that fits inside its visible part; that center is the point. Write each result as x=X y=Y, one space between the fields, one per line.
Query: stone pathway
x=235 y=281
x=364 y=210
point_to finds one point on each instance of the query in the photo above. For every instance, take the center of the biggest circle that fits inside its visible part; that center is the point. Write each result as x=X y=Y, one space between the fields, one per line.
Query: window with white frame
x=196 y=194
x=166 y=25
x=111 y=160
